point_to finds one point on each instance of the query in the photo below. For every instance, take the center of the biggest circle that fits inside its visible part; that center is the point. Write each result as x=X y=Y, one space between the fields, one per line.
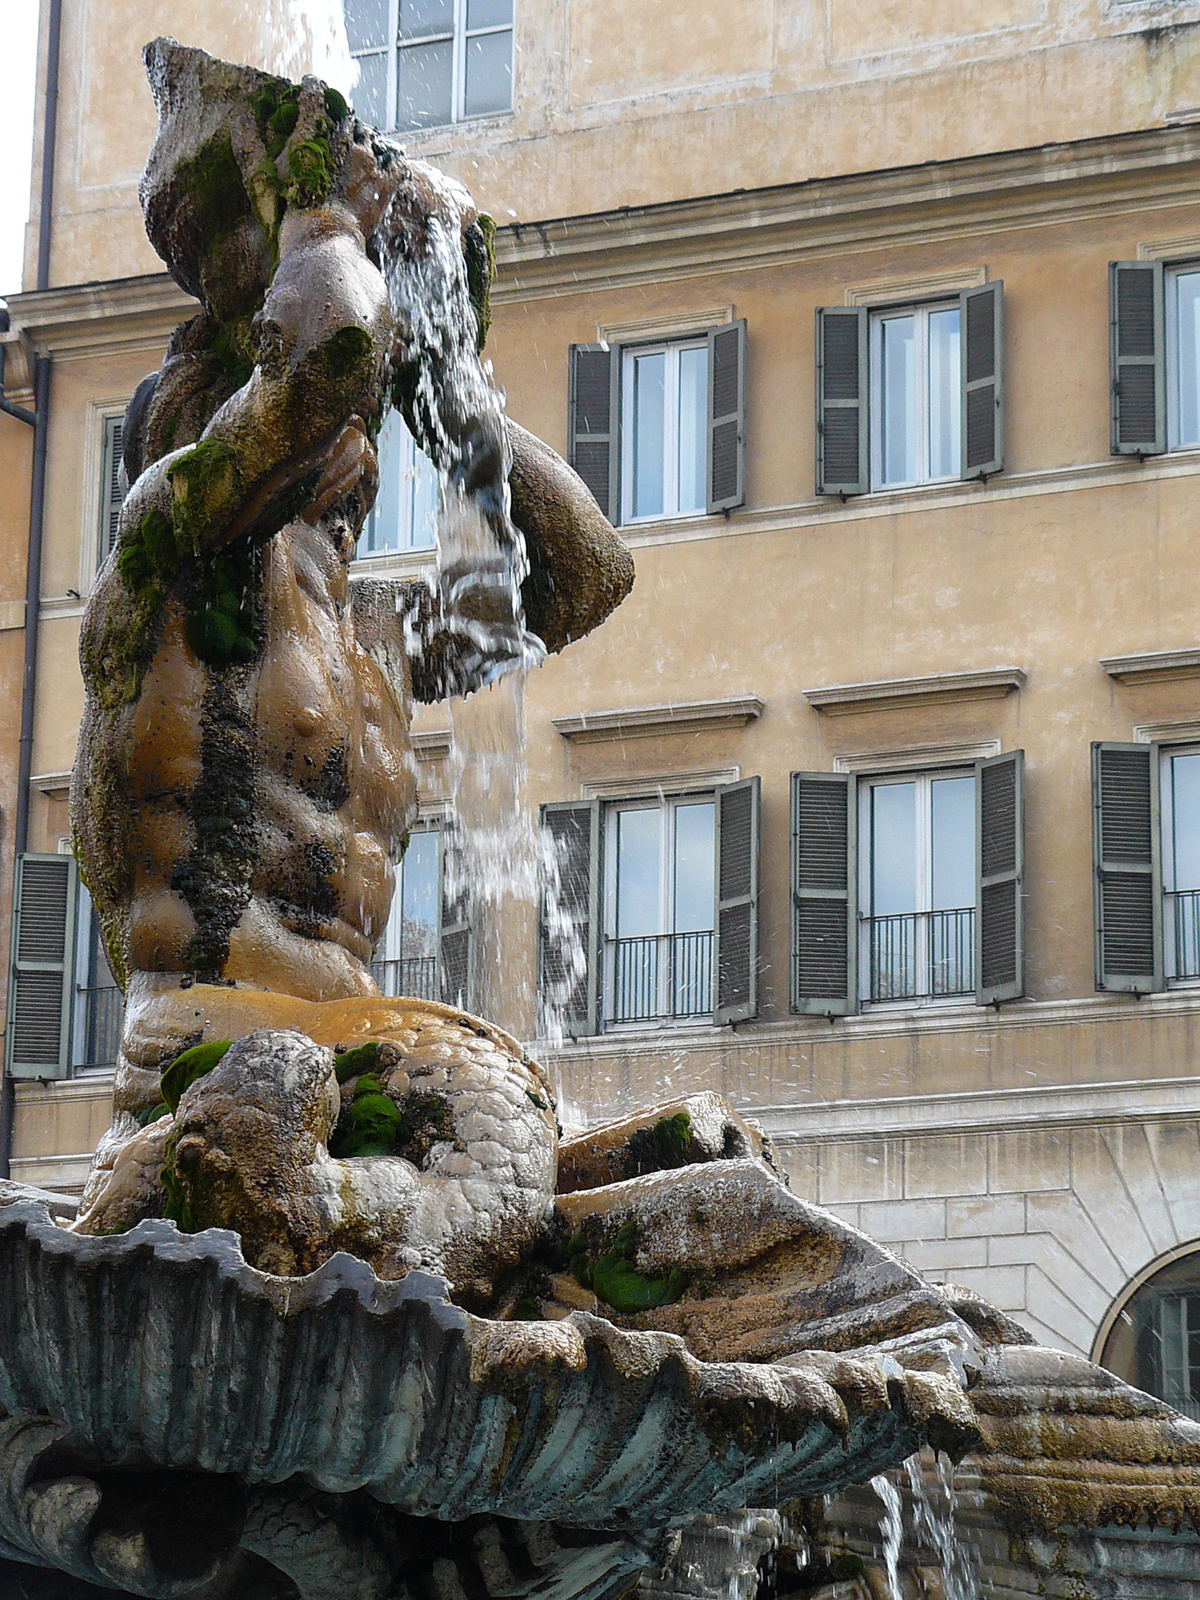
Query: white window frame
x=461 y=35
x=391 y=946
x=924 y=778
x=920 y=312
x=671 y=348
x=668 y=805
x=1166 y=755
x=92 y=552
x=1171 y=276
x=410 y=470
x=86 y=921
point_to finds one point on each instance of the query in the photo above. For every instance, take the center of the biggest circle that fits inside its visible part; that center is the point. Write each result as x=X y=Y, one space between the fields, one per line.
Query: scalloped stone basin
x=158 y=1347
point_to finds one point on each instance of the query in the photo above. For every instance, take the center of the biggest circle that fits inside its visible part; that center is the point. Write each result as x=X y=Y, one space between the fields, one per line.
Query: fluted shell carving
x=157 y=1347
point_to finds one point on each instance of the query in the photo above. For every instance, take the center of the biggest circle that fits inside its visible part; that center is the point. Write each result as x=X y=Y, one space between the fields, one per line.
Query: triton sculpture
x=341 y=1314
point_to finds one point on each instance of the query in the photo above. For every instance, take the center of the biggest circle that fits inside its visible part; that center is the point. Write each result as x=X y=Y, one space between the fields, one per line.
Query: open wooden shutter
x=999 y=882
x=455 y=951
x=1128 y=862
x=41 y=973
x=569 y=921
x=843 y=458
x=1137 y=358
x=727 y=416
x=111 y=497
x=981 y=318
x=592 y=423
x=735 y=955
x=824 y=894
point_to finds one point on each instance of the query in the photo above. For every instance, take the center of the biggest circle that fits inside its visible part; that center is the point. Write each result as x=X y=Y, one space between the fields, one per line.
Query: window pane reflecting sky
x=694 y=867
x=639 y=859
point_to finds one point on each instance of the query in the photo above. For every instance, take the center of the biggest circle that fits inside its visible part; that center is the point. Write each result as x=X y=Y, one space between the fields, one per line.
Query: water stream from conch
x=934 y=1525
x=498 y=861
x=891 y=1529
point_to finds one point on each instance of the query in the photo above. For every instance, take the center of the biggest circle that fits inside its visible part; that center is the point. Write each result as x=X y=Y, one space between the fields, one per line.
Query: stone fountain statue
x=341 y=1316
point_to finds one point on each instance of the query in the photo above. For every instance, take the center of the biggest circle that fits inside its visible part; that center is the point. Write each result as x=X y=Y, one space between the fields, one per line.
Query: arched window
x=1154 y=1341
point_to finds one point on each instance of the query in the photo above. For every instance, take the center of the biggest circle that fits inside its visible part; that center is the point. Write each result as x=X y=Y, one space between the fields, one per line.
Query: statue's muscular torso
x=318 y=724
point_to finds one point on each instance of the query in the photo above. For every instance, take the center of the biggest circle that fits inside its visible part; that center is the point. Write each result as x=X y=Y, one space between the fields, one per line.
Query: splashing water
x=500 y=858
x=933 y=1523
x=891 y=1529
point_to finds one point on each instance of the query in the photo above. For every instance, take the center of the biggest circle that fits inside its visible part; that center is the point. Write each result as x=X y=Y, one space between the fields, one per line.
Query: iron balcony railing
x=1183 y=933
x=413 y=976
x=664 y=976
x=922 y=954
x=99 y=1013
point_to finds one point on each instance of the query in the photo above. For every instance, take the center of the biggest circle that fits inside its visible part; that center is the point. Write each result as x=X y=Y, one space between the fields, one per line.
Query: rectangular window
x=112 y=495
x=659 y=899
x=404 y=516
x=664 y=431
x=427 y=63
x=916 y=395
x=910 y=394
x=407 y=959
x=659 y=430
x=917 y=886
x=1179 y=776
x=1183 y=356
x=1168 y=1328
x=99 y=1006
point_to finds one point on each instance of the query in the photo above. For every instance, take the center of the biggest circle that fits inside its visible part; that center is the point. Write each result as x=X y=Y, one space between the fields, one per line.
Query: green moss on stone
x=362 y=1058
x=204 y=481
x=660 y=1148
x=212 y=181
x=372 y=1126
x=613 y=1278
x=178 y=1208
x=186 y=1068
x=311 y=166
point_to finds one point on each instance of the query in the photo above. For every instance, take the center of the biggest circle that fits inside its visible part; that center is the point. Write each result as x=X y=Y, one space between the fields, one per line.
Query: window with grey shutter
x=727 y=416
x=1137 y=358
x=454 y=931
x=592 y=422
x=569 y=920
x=824 y=899
x=981 y=318
x=40 y=986
x=111 y=497
x=1128 y=871
x=736 y=910
x=1000 y=871
x=843 y=458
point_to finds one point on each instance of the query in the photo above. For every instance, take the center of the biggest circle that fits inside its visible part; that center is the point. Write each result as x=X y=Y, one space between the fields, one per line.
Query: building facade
x=878 y=802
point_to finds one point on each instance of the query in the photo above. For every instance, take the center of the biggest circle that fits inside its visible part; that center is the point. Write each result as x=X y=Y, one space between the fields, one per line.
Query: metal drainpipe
x=49 y=142
x=33 y=599
x=37 y=509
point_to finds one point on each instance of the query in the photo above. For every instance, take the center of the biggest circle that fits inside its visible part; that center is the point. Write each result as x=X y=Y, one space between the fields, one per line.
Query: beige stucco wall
x=617 y=102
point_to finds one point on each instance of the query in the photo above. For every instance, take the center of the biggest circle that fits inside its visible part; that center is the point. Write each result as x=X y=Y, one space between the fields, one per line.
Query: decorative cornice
x=124 y=314
x=908 y=1022
x=698 y=716
x=751 y=229
x=433 y=745
x=55 y=785
x=1153 y=666
x=985 y=1111
x=895 y=694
